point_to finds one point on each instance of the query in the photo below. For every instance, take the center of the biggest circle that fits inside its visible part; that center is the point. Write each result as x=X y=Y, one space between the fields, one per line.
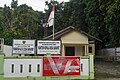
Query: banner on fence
x=61 y=66
x=44 y=47
x=23 y=46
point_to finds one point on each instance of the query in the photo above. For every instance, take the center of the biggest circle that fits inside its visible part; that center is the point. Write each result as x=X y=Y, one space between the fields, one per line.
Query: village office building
x=75 y=42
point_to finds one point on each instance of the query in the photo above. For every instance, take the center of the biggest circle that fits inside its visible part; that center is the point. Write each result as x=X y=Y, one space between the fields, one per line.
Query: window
x=90 y=49
x=12 y=68
x=38 y=67
x=30 y=67
x=21 y=68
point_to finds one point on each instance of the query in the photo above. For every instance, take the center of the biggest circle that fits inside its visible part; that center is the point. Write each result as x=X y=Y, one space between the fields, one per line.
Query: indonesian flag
x=51 y=17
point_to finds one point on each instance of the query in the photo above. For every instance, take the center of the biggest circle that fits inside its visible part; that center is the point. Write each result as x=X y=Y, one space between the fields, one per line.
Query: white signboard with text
x=23 y=46
x=44 y=47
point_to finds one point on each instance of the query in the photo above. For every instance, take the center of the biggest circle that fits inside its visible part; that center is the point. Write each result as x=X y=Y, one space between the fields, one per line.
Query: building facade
x=75 y=42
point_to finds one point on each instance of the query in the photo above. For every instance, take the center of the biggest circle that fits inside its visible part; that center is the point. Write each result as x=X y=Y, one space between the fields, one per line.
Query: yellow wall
x=79 y=50
x=74 y=37
x=77 y=40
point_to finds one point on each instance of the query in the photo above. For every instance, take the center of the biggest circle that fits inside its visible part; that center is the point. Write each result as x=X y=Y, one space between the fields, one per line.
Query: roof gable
x=59 y=34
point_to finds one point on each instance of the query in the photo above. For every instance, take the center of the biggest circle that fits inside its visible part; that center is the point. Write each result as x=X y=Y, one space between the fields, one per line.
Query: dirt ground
x=105 y=70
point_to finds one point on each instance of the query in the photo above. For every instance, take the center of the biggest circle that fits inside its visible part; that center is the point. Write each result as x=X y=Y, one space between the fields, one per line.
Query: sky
x=38 y=5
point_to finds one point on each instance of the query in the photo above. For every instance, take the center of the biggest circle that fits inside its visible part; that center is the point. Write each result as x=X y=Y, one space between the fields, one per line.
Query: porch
x=77 y=49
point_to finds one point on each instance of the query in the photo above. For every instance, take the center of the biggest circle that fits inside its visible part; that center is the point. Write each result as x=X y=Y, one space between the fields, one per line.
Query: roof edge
x=72 y=28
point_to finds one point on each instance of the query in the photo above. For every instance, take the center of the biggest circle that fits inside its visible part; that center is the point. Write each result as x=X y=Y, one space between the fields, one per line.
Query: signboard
x=61 y=66
x=23 y=46
x=52 y=47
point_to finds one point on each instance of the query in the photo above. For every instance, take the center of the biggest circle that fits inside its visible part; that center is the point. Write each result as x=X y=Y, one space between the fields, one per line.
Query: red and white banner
x=61 y=66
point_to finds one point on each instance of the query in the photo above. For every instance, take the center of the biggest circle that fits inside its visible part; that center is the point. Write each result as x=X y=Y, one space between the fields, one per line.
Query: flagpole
x=53 y=22
x=53 y=31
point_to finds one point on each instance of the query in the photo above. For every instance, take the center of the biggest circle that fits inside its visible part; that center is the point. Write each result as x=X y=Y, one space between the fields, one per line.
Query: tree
x=20 y=22
x=100 y=18
x=113 y=22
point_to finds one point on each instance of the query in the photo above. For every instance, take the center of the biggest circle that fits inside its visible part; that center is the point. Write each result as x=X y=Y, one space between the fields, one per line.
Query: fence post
x=115 y=58
x=91 y=66
x=1 y=66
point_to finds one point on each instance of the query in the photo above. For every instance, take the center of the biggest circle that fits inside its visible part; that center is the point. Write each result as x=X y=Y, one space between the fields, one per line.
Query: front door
x=69 y=51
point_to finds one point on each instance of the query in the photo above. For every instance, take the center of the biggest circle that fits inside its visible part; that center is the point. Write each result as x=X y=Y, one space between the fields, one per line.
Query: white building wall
x=7 y=50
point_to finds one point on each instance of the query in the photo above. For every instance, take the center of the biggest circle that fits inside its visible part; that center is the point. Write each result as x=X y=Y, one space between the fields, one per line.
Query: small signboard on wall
x=61 y=66
x=23 y=46
x=44 y=47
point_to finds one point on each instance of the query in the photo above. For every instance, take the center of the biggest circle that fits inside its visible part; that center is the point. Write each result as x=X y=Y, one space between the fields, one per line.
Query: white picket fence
x=33 y=67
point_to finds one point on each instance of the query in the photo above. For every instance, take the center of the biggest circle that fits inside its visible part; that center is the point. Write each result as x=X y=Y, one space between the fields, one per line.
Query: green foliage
x=19 y=22
x=100 y=18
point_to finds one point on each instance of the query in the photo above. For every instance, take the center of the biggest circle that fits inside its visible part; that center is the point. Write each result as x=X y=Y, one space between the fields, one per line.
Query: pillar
x=91 y=67
x=63 y=50
x=1 y=66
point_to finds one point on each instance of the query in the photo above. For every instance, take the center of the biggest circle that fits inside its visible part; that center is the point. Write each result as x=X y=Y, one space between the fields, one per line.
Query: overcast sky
x=35 y=4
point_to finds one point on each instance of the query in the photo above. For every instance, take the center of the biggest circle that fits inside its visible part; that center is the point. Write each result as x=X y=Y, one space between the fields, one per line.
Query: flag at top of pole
x=51 y=17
